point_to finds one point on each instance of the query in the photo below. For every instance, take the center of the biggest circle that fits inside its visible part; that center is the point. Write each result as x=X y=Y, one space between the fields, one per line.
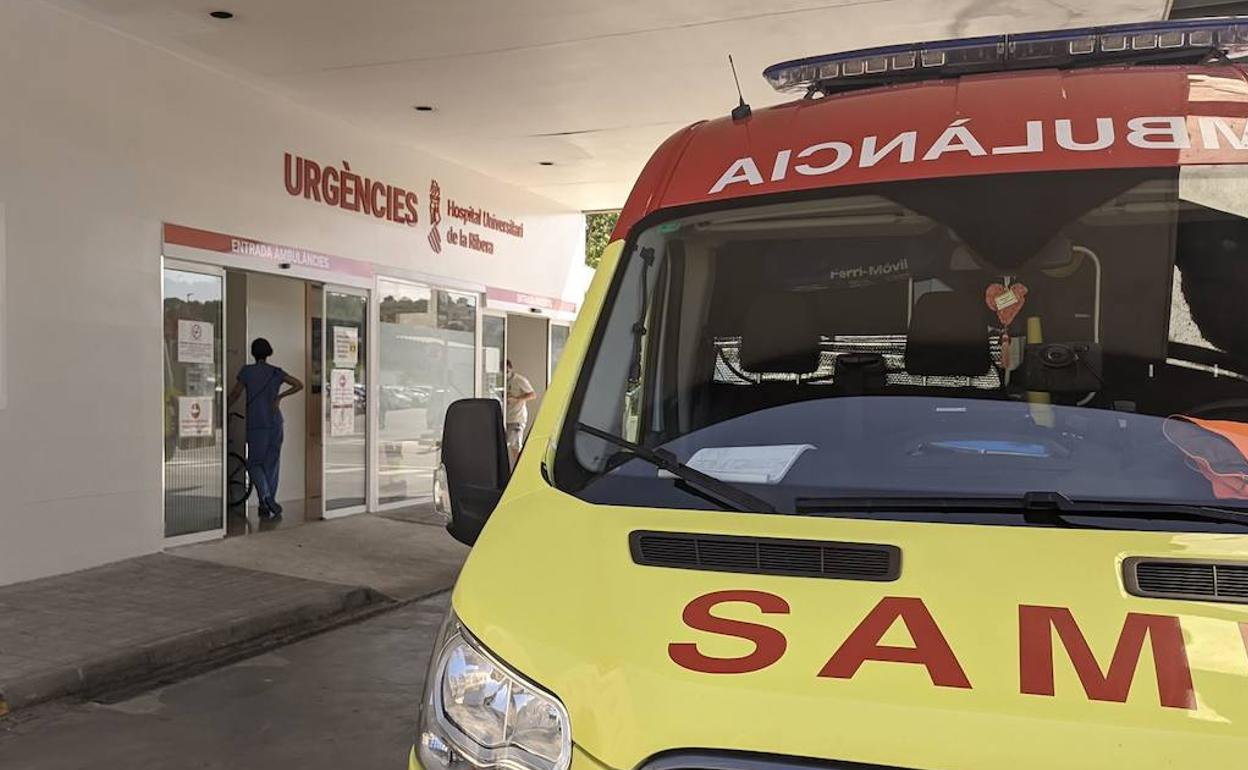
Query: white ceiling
x=592 y=86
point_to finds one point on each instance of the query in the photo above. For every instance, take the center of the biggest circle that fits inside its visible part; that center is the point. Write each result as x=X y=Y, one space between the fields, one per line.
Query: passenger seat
x=779 y=337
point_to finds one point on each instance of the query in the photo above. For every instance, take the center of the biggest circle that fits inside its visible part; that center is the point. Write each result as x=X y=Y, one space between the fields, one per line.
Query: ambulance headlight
x=478 y=713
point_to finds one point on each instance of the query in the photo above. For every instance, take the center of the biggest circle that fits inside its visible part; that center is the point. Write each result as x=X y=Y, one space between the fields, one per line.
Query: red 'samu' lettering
x=769 y=644
x=1035 y=642
x=930 y=649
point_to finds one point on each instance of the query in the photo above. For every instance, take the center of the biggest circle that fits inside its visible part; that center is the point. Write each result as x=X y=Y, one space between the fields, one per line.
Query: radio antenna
x=742 y=110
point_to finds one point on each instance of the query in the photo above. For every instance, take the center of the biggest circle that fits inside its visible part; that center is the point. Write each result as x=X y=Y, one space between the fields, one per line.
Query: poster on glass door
x=194 y=416
x=195 y=342
x=341 y=421
x=346 y=346
x=342 y=402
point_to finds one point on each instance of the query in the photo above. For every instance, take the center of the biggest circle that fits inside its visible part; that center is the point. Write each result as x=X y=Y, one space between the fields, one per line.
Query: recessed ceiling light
x=545 y=163
x=221 y=15
x=423 y=108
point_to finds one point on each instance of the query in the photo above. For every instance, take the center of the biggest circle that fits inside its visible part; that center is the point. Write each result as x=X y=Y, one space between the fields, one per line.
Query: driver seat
x=780 y=337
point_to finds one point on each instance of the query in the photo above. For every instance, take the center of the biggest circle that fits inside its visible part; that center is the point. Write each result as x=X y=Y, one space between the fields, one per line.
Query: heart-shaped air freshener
x=1005 y=302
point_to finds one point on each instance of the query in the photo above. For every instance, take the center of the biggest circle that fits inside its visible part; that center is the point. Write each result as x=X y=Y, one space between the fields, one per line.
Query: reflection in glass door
x=345 y=431
x=428 y=360
x=194 y=365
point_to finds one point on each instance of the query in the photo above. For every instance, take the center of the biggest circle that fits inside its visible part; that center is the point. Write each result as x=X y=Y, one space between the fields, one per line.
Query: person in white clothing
x=519 y=393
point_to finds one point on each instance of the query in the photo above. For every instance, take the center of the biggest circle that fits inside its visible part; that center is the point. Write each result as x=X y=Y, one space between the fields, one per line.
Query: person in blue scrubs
x=262 y=383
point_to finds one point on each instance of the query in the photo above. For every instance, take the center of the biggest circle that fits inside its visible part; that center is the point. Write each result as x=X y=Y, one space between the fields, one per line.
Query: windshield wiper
x=722 y=492
x=1049 y=508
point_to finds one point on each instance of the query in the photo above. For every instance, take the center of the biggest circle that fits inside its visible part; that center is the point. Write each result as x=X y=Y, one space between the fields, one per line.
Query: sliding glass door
x=345 y=398
x=194 y=304
x=428 y=359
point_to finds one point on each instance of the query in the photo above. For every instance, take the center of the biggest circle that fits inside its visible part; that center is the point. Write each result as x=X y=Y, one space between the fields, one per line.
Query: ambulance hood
x=990 y=647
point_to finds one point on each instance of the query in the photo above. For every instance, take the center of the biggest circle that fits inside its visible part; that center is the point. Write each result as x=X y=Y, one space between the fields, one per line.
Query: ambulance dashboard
x=873 y=447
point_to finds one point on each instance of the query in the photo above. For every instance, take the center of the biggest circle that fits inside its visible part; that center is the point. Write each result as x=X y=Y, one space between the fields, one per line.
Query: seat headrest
x=948 y=336
x=780 y=335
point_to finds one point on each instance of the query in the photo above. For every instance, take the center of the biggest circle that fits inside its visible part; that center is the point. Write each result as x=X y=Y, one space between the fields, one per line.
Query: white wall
x=103 y=138
x=275 y=311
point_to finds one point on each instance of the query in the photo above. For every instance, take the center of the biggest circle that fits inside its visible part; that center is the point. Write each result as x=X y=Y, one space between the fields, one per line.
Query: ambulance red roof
x=1046 y=120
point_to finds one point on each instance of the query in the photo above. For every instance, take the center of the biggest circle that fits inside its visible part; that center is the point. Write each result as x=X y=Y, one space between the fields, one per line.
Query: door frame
x=167 y=263
x=547 y=320
x=482 y=313
x=370 y=389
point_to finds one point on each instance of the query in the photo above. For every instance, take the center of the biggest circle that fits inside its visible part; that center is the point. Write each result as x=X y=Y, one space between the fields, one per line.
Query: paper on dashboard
x=767 y=464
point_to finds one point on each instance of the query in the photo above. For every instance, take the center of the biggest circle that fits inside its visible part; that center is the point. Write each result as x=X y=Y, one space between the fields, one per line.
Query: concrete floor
x=402 y=558
x=345 y=699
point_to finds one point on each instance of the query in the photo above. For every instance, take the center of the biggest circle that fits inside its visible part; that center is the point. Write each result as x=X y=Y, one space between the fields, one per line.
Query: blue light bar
x=1185 y=41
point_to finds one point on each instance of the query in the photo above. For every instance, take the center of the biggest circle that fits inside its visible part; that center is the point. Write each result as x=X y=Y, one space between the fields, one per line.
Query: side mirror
x=475 y=465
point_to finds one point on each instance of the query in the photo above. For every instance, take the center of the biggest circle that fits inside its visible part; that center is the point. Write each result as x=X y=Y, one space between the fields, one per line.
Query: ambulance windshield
x=1083 y=333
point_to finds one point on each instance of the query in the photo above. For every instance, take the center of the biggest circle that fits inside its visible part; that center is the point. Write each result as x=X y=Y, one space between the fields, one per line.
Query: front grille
x=766 y=556
x=1211 y=581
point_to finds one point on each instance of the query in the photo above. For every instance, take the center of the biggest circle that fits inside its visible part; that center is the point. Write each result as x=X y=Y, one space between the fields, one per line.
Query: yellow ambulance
x=905 y=425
